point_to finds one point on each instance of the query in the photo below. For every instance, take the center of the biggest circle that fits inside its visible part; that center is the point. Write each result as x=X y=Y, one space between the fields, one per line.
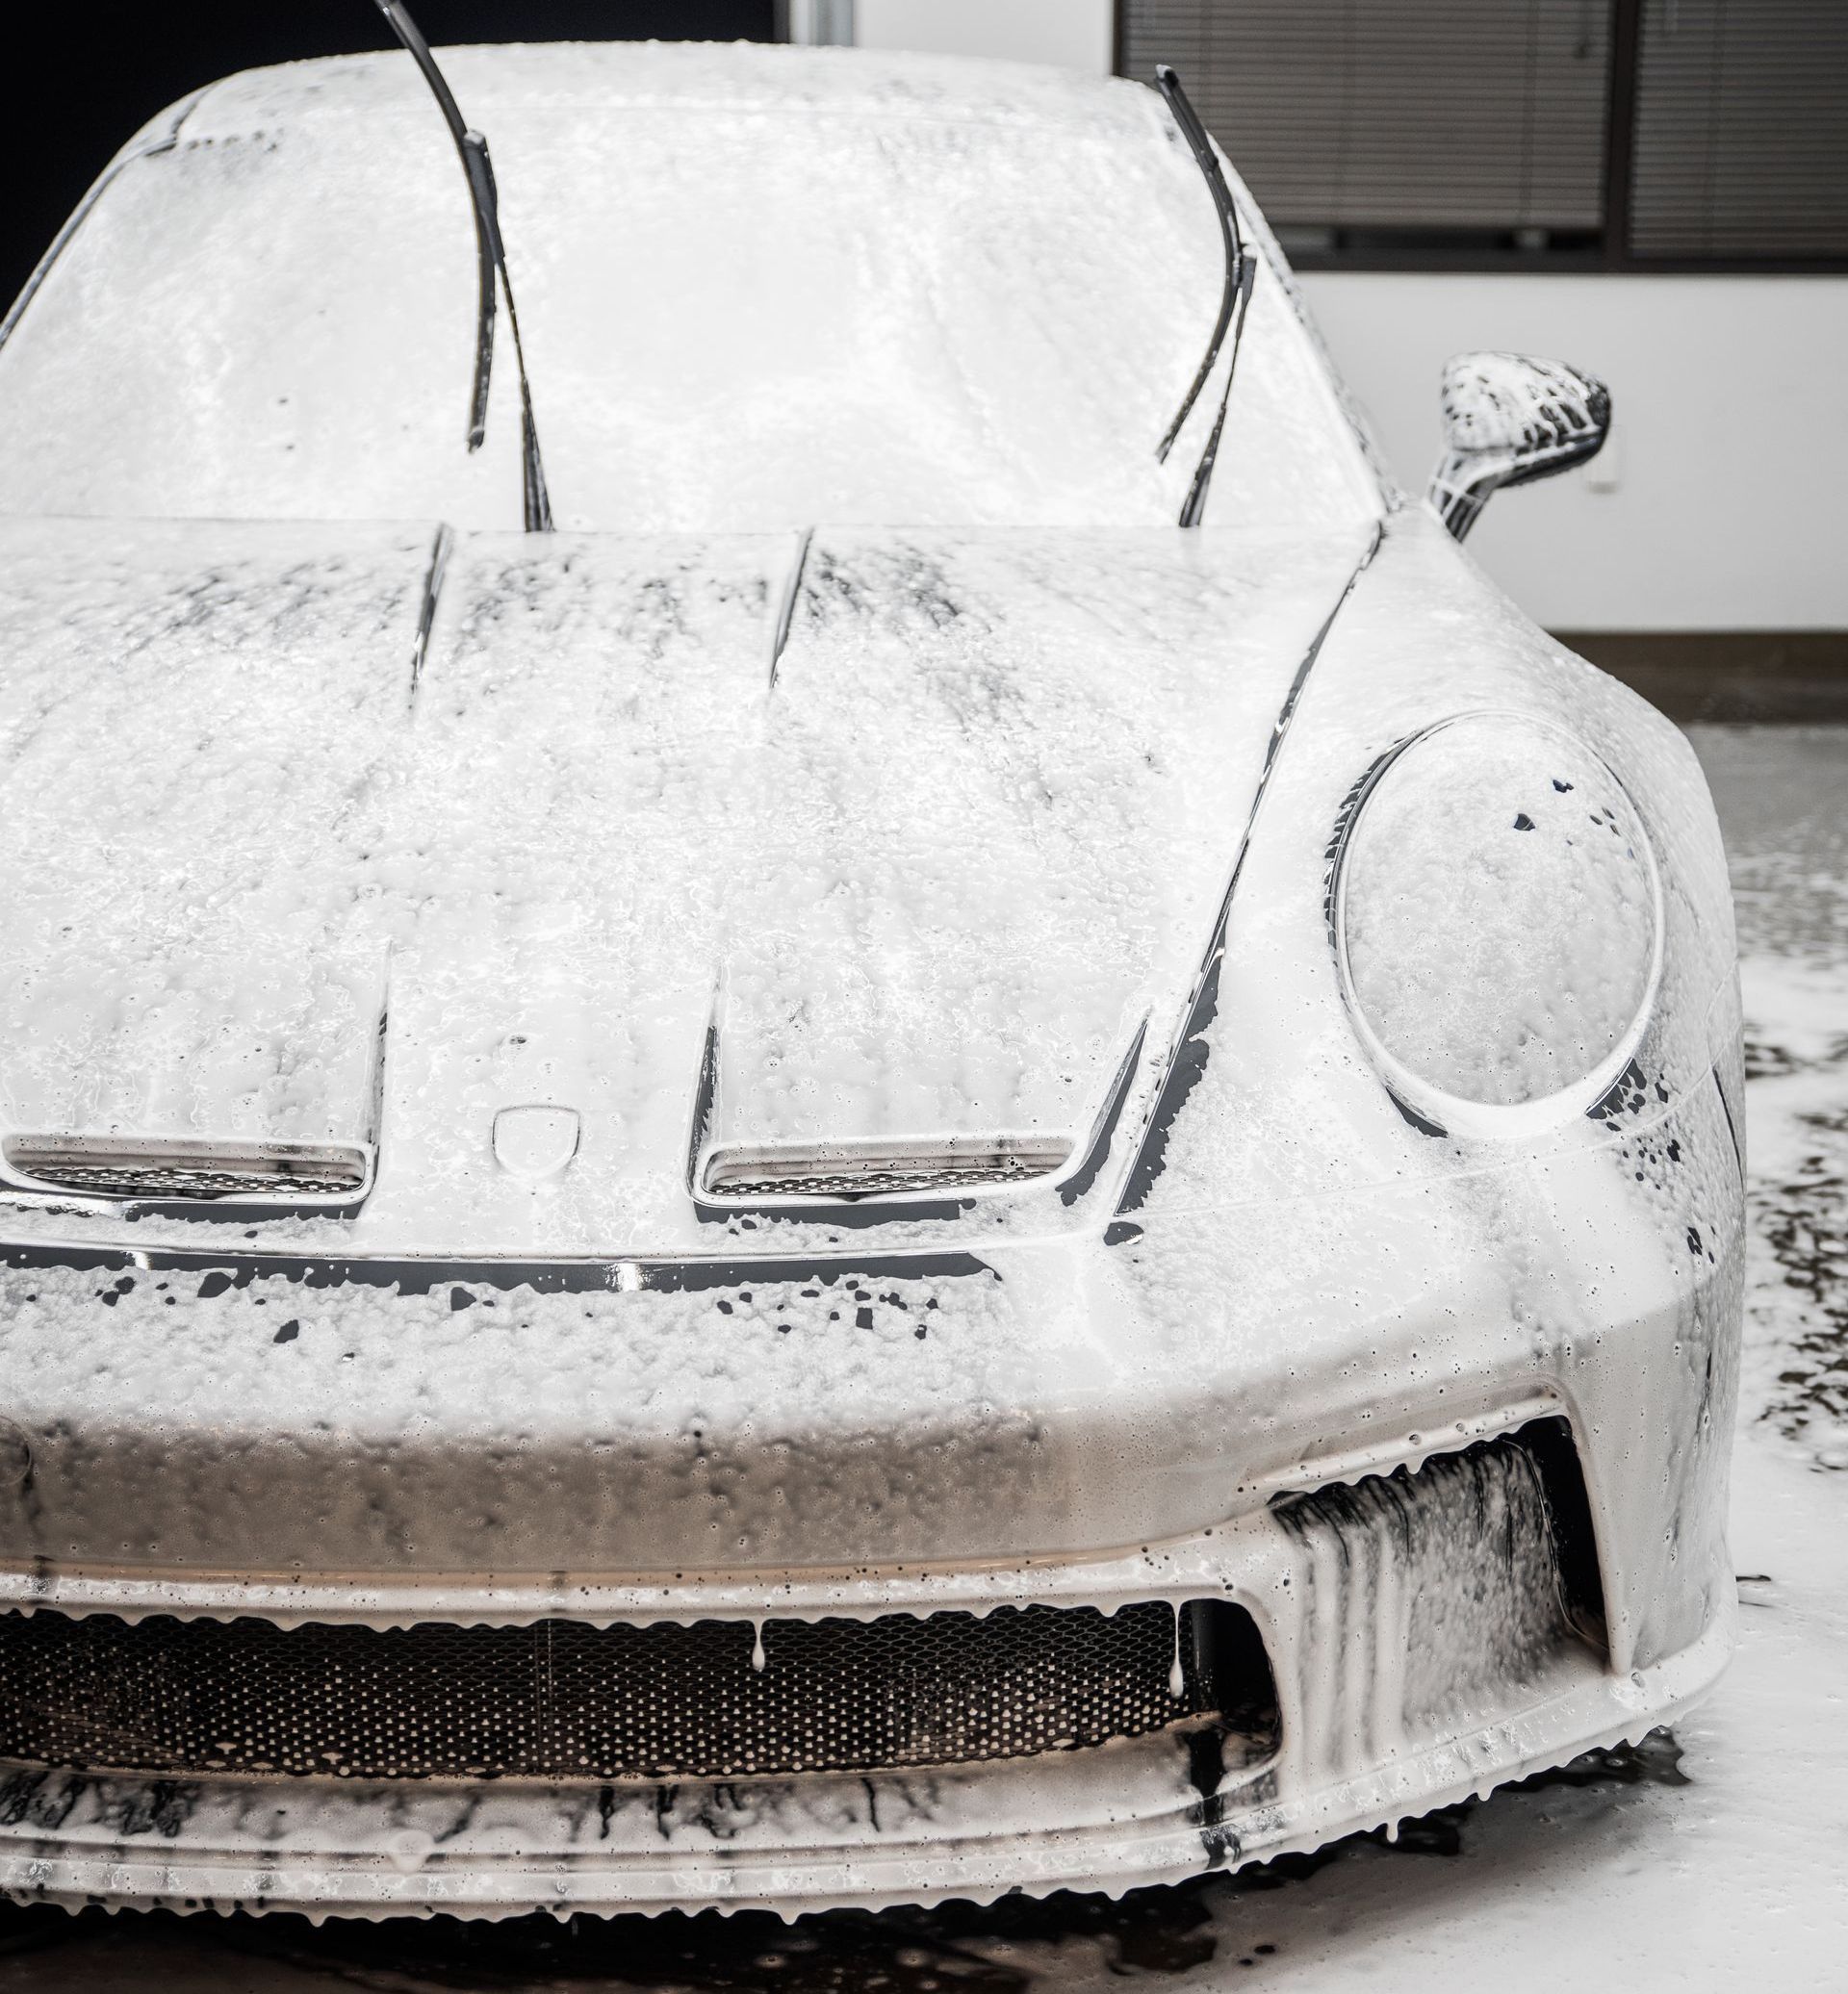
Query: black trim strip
x=1104 y=1133
x=1732 y=1127
x=441 y=550
x=786 y=612
x=419 y=1277
x=889 y=1207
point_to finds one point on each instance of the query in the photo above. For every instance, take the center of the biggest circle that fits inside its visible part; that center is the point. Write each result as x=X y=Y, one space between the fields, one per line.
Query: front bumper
x=1362 y=1742
x=472 y=1454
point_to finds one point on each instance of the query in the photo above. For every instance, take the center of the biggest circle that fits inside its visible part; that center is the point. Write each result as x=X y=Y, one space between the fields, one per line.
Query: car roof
x=725 y=77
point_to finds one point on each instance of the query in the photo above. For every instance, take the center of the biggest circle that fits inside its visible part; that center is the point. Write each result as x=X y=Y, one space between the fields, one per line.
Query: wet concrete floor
x=1692 y=1861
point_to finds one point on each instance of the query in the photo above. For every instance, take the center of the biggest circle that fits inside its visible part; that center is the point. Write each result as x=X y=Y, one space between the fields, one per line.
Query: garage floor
x=1692 y=1863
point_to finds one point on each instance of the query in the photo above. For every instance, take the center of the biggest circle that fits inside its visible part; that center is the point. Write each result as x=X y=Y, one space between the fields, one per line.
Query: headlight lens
x=1496 y=911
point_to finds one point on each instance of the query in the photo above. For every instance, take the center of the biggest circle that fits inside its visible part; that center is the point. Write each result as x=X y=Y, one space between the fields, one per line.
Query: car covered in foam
x=859 y=1124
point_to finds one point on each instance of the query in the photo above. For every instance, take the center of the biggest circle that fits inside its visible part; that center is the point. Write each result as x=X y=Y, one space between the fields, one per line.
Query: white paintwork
x=1727 y=395
x=1673 y=1878
x=598 y=829
x=1075 y=34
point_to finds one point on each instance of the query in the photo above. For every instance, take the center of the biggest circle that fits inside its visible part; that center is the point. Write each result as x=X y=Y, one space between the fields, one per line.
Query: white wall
x=1076 y=33
x=1725 y=508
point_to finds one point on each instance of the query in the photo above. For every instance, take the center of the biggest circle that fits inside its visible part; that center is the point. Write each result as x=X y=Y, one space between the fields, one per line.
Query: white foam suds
x=975 y=292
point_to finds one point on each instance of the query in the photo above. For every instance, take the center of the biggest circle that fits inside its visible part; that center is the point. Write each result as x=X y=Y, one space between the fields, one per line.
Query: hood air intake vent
x=846 y=1170
x=157 y=1168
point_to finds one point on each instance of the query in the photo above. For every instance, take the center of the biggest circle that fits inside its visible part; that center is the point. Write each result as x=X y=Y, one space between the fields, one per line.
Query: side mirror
x=1507 y=420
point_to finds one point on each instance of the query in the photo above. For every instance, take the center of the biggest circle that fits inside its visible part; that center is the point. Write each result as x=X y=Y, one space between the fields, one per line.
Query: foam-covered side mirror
x=1509 y=419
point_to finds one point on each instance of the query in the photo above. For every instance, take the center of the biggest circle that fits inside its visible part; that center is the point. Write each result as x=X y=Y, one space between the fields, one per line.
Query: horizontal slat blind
x=1741 y=130
x=1396 y=114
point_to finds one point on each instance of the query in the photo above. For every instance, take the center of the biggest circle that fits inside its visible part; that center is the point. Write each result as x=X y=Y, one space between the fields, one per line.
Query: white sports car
x=901 y=1110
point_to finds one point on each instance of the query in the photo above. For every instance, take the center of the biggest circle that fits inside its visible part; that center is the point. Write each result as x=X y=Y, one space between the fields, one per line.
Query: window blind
x=1741 y=145
x=1396 y=114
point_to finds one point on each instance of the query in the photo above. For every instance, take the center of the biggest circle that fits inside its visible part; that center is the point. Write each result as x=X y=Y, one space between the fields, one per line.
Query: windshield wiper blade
x=1234 y=296
x=491 y=257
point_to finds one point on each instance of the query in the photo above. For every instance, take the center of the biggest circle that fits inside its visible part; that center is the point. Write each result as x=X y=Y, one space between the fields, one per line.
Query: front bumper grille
x=561 y=1699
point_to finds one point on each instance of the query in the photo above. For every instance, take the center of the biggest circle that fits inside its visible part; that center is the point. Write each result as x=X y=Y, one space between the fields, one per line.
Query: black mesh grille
x=175 y=1181
x=561 y=1699
x=866 y=1184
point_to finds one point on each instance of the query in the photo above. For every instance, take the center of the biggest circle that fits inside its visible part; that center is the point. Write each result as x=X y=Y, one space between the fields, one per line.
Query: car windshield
x=759 y=288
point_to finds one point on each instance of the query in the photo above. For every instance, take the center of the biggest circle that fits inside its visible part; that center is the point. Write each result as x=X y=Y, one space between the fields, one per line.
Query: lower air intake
x=561 y=1699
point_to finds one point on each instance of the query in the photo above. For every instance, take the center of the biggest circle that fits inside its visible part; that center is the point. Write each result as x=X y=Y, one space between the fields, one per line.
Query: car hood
x=368 y=835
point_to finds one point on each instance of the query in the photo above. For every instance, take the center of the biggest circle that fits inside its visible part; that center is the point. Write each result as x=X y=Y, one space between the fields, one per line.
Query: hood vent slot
x=158 y=1169
x=854 y=1170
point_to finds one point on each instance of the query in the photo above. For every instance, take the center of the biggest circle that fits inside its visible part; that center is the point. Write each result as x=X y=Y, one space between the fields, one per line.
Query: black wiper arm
x=1234 y=295
x=491 y=255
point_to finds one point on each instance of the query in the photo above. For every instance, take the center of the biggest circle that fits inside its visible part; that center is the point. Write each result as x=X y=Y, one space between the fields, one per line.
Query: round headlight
x=1497 y=913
